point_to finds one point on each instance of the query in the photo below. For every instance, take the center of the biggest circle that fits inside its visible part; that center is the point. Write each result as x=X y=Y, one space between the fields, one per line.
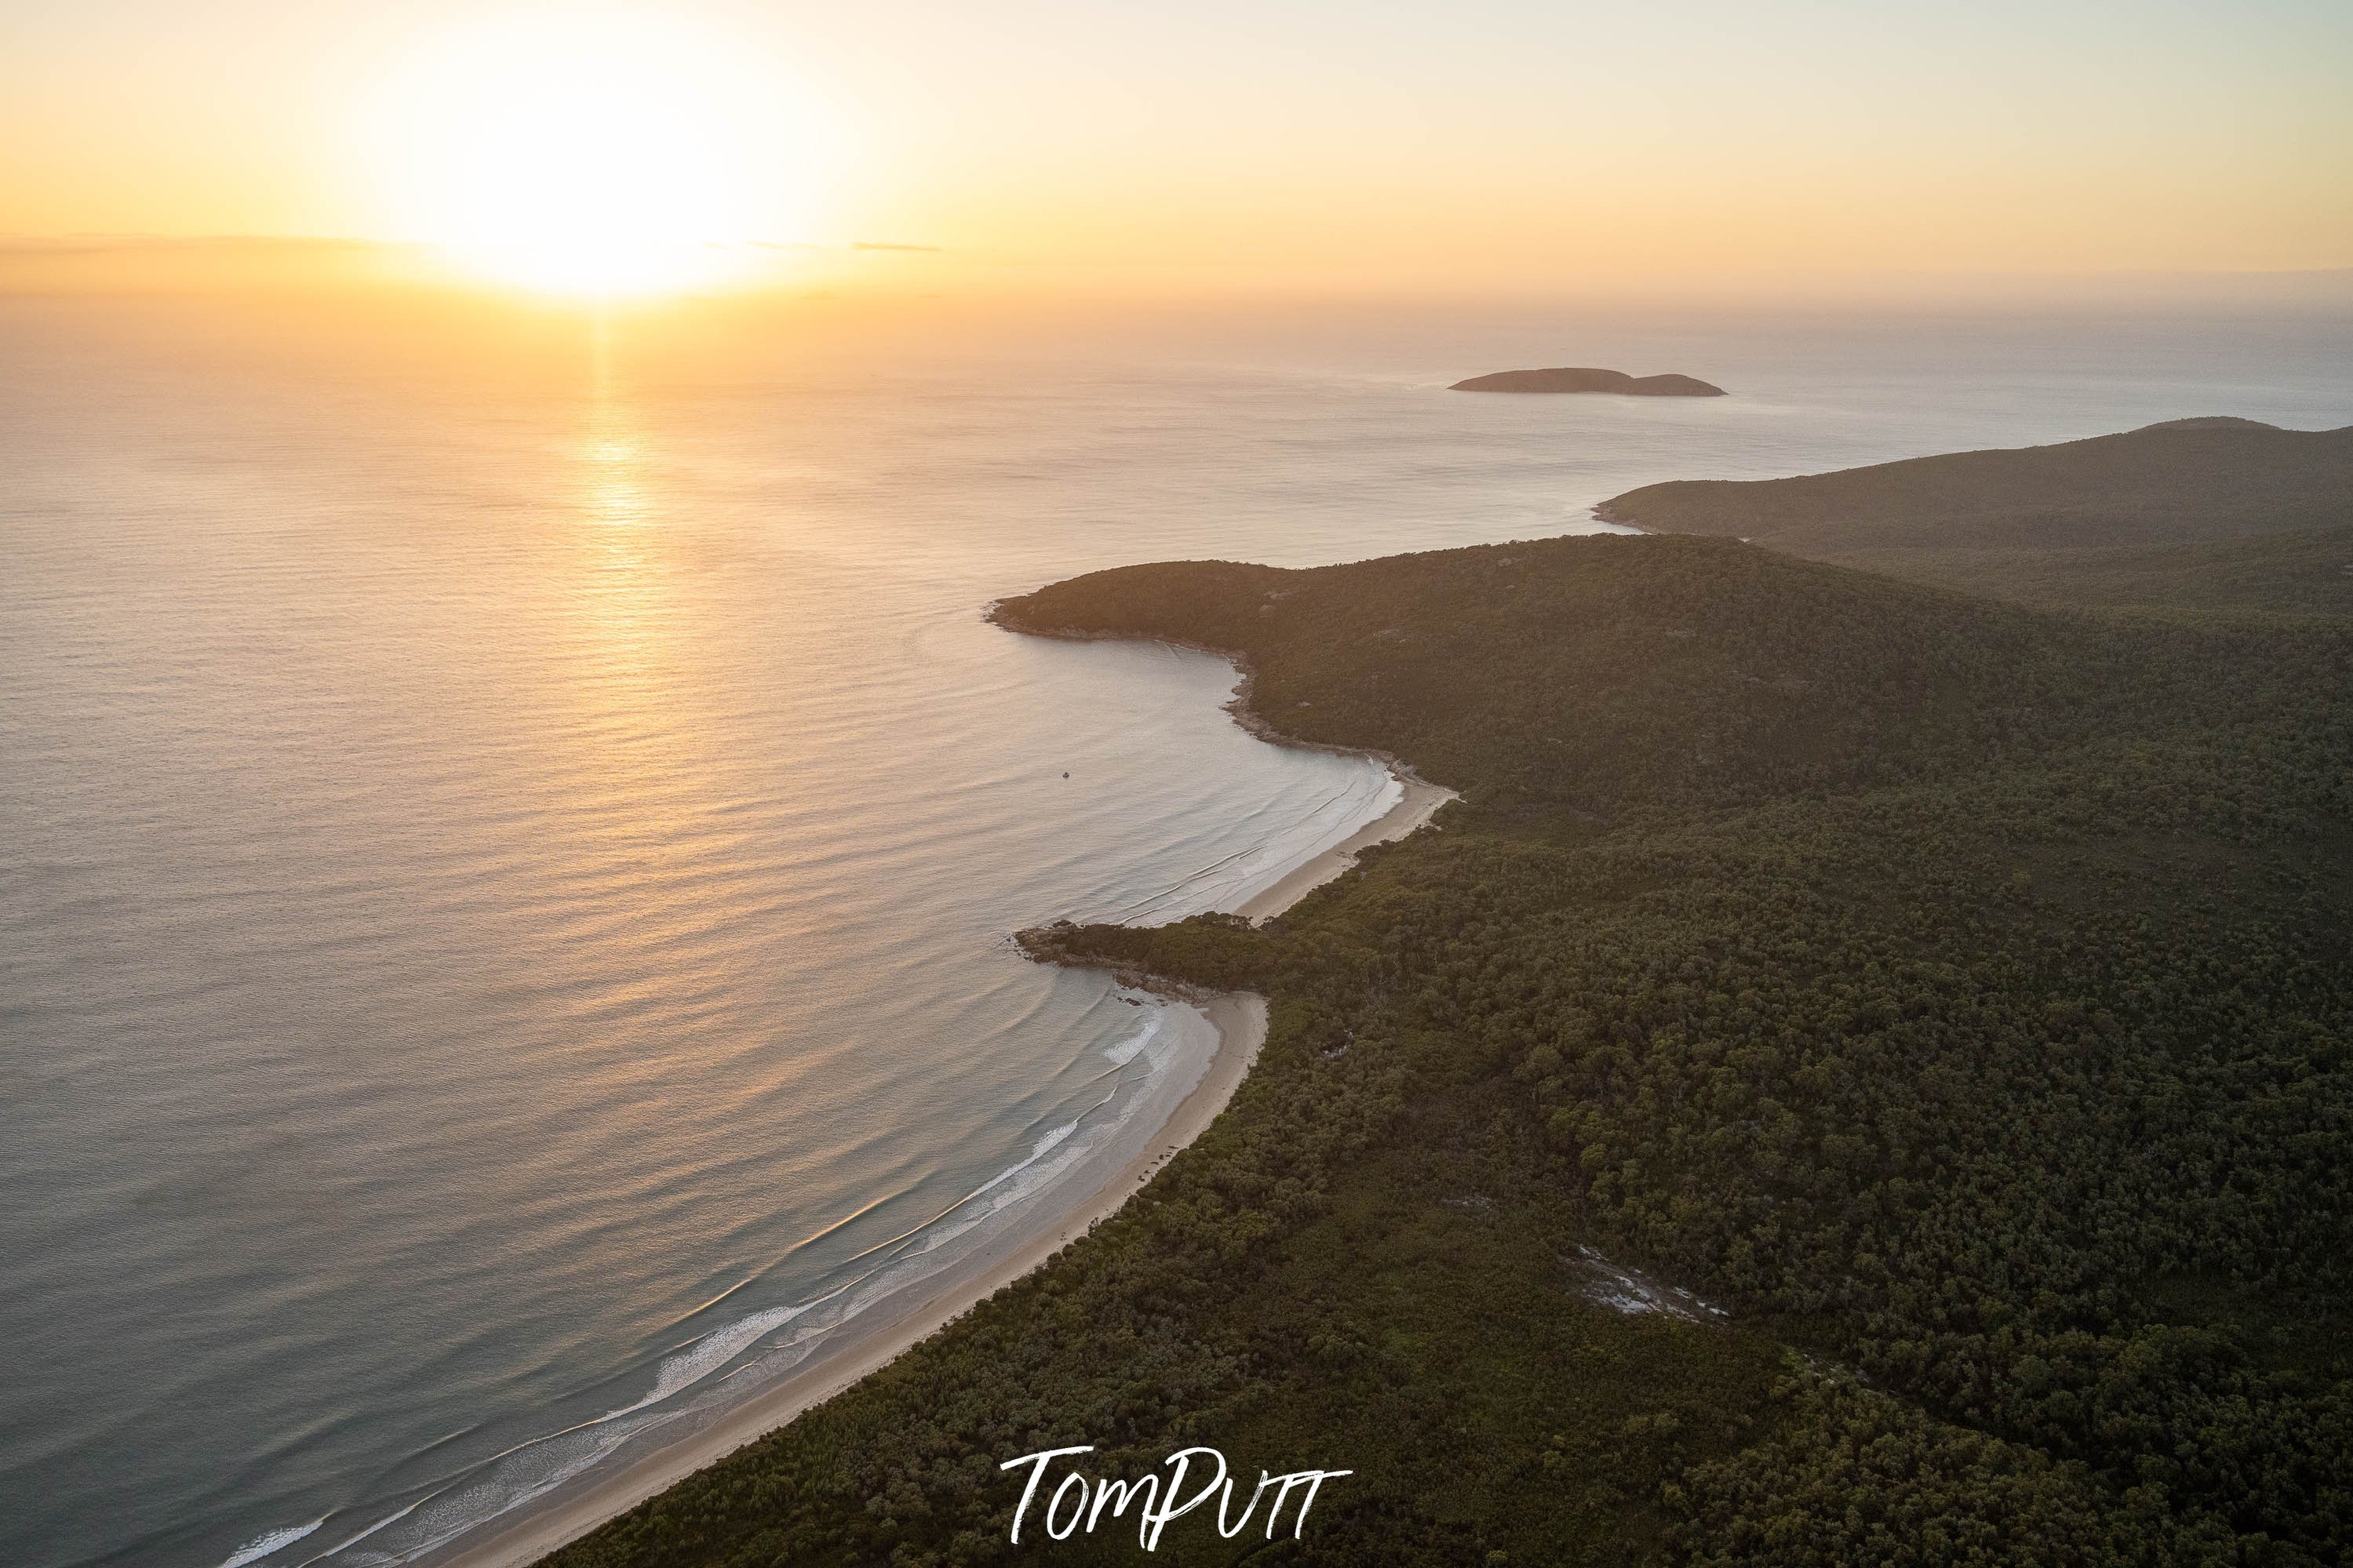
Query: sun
x=604 y=154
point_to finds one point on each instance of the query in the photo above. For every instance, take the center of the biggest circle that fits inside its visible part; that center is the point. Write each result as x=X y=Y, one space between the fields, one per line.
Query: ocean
x=515 y=817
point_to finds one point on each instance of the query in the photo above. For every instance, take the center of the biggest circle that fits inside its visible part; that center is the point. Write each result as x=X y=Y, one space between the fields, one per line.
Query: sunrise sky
x=1477 y=139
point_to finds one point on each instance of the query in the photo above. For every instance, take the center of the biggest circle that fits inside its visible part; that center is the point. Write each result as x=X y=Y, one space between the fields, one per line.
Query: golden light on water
x=613 y=447
x=601 y=155
x=625 y=609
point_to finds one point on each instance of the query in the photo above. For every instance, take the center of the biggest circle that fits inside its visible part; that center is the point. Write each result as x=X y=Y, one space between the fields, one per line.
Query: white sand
x=876 y=1335
x=883 y=1331
x=1421 y=801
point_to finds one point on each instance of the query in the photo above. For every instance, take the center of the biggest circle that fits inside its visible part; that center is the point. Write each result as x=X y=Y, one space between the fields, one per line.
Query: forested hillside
x=2303 y=572
x=2137 y=518
x=1953 y=993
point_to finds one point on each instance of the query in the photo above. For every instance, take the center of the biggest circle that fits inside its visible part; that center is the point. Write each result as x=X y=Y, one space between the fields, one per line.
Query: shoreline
x=1416 y=807
x=1252 y=722
x=1418 y=804
x=892 y=1327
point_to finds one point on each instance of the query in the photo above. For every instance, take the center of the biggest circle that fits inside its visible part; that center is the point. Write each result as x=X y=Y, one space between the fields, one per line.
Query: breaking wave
x=710 y=1373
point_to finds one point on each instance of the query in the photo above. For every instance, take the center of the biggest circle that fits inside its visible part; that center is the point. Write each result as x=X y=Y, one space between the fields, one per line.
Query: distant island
x=1569 y=378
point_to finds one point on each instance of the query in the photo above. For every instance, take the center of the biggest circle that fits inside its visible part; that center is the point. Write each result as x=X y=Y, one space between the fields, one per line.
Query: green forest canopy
x=1953 y=991
x=2208 y=513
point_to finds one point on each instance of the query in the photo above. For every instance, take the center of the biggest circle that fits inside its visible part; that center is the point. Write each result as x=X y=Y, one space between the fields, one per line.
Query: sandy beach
x=1420 y=803
x=878 y=1335
x=894 y=1324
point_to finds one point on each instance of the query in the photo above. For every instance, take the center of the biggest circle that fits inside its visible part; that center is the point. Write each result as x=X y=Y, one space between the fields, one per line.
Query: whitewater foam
x=1123 y=1051
x=262 y=1546
x=713 y=1350
x=349 y=1541
x=742 y=1354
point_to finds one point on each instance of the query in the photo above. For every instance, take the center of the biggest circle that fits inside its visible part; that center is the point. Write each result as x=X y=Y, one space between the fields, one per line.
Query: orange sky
x=1495 y=143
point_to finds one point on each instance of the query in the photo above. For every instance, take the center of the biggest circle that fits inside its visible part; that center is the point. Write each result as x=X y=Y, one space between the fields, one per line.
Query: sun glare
x=610 y=155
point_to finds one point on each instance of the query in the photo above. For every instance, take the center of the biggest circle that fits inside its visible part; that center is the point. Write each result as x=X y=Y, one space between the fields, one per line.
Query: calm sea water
x=511 y=825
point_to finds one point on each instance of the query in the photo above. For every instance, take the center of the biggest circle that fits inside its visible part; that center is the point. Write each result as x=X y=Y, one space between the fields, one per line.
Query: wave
x=1123 y=1051
x=735 y=1351
x=713 y=1350
x=1038 y=1150
x=351 y=1541
x=262 y=1546
x=1234 y=877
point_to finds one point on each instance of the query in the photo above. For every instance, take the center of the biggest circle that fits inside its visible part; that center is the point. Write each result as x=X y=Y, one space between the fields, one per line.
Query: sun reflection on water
x=614 y=445
x=624 y=552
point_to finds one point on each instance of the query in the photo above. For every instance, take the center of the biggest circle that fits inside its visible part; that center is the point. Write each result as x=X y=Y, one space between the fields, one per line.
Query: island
x=1860 y=1075
x=1571 y=378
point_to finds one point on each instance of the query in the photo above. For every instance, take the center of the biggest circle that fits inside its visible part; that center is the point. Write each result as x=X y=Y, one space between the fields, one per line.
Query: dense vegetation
x=2172 y=515
x=1952 y=991
x=2308 y=571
